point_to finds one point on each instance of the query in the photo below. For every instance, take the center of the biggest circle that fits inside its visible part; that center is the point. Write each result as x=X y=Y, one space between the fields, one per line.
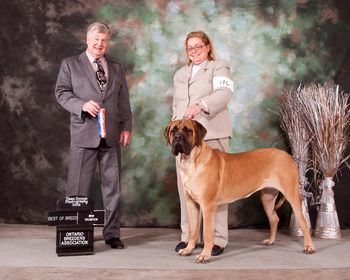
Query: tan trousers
x=221 y=216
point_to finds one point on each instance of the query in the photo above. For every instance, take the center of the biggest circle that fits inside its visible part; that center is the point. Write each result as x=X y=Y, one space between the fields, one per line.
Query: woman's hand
x=192 y=111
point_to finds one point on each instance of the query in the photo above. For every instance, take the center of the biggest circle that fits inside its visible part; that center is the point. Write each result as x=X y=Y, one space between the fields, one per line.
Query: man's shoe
x=115 y=243
x=181 y=245
x=217 y=250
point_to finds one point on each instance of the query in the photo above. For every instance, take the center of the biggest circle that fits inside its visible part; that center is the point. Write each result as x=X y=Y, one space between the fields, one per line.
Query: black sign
x=74 y=237
x=71 y=241
x=95 y=218
x=75 y=217
x=75 y=202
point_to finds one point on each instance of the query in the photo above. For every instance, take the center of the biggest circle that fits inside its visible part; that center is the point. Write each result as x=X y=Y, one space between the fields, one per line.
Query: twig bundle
x=326 y=114
x=292 y=123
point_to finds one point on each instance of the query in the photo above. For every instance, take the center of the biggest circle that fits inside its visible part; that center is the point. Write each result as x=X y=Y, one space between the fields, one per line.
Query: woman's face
x=197 y=51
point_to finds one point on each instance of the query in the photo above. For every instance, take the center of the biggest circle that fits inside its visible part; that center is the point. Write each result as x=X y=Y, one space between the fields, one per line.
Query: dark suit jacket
x=76 y=84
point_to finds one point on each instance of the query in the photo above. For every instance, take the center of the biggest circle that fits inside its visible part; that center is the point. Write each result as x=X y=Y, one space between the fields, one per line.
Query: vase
x=294 y=227
x=327 y=223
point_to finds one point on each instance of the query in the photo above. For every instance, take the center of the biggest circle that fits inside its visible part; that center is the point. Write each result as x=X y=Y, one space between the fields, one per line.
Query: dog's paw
x=184 y=252
x=308 y=250
x=267 y=242
x=202 y=258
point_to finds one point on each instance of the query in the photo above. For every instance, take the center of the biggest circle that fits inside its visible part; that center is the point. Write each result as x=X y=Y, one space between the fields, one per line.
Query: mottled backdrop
x=269 y=44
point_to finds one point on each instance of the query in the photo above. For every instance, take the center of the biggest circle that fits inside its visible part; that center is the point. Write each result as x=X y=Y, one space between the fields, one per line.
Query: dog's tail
x=280 y=202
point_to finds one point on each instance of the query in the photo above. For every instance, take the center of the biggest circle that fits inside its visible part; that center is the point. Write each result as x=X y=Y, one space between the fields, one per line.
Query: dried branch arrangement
x=295 y=128
x=292 y=123
x=326 y=114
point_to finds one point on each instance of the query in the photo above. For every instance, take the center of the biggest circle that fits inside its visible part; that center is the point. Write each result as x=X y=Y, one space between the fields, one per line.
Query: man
x=93 y=89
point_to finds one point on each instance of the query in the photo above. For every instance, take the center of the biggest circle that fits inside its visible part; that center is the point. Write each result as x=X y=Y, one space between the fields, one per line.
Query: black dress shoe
x=217 y=250
x=115 y=243
x=181 y=245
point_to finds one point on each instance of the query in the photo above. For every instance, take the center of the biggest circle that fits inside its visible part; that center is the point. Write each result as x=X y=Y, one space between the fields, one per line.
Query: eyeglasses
x=195 y=48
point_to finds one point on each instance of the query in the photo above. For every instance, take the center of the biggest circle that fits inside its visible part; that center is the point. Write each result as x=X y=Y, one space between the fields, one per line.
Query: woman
x=202 y=90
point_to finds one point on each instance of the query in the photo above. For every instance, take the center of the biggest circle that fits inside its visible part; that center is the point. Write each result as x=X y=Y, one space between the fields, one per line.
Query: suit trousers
x=81 y=170
x=221 y=216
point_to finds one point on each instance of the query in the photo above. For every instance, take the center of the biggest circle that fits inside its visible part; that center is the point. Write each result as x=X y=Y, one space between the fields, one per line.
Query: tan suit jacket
x=189 y=91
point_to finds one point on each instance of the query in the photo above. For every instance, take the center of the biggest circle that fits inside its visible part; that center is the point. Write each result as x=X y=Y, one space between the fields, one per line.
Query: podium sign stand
x=75 y=219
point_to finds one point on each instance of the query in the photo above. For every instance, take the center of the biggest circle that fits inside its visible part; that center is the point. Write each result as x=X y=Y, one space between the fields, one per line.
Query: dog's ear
x=166 y=133
x=200 y=132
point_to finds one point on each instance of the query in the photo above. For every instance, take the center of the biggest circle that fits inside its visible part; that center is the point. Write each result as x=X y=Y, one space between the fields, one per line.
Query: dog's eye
x=187 y=130
x=174 y=130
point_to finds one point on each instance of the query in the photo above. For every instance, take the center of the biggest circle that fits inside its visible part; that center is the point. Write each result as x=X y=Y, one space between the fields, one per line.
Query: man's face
x=97 y=43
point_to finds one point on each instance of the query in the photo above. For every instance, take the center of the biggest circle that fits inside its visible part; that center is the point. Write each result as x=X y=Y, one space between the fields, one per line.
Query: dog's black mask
x=181 y=142
x=183 y=135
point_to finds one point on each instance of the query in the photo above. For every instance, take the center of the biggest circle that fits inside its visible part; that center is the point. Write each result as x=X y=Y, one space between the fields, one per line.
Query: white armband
x=221 y=81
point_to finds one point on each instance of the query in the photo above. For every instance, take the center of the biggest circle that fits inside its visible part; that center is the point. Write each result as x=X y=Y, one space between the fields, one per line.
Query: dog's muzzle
x=181 y=144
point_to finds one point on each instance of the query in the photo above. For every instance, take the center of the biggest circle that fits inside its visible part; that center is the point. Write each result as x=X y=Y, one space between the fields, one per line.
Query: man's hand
x=91 y=107
x=125 y=138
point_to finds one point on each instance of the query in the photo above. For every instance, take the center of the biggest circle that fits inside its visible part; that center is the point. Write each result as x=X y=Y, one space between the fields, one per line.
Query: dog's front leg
x=193 y=220
x=208 y=212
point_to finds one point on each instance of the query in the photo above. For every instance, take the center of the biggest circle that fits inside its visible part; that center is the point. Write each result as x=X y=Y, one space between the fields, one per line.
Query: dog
x=211 y=177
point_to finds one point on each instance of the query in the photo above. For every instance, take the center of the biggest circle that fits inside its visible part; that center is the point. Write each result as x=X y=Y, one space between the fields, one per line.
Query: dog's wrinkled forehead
x=184 y=125
x=188 y=130
x=179 y=126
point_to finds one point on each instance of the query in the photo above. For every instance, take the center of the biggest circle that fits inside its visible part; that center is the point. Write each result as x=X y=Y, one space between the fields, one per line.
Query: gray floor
x=28 y=252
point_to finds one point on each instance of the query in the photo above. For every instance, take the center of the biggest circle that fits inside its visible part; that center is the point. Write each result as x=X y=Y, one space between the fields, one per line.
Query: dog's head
x=183 y=135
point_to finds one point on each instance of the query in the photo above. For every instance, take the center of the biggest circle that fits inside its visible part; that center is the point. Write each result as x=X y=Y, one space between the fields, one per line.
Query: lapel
x=111 y=74
x=89 y=72
x=202 y=70
x=185 y=74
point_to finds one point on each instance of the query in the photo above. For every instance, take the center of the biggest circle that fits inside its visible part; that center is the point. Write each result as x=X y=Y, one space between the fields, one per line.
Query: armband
x=221 y=81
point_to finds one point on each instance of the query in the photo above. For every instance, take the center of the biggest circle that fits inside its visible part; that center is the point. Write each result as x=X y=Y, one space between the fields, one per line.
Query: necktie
x=100 y=75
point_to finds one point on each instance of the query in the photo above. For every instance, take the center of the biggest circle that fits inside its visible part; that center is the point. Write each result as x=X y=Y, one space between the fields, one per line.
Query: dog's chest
x=187 y=172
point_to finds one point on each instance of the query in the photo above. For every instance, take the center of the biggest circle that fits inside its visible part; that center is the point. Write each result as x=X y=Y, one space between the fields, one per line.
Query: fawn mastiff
x=211 y=177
